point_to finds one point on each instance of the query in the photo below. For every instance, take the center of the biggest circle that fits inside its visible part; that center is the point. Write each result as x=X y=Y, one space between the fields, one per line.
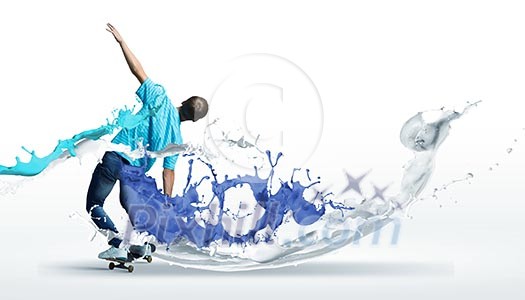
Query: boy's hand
x=115 y=33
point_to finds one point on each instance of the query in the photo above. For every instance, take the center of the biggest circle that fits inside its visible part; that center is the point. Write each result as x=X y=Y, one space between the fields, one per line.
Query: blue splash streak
x=170 y=219
x=124 y=119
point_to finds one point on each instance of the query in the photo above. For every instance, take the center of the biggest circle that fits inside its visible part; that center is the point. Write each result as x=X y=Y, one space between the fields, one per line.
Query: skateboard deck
x=127 y=264
x=121 y=264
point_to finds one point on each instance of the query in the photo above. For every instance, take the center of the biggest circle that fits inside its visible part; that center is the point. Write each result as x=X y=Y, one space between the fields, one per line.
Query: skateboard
x=122 y=264
x=127 y=264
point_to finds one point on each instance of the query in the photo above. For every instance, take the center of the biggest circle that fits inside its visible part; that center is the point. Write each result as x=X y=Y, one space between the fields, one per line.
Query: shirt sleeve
x=151 y=93
x=169 y=161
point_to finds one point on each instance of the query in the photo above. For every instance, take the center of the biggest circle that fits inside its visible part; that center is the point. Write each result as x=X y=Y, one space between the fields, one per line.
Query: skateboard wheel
x=149 y=259
x=111 y=266
x=130 y=269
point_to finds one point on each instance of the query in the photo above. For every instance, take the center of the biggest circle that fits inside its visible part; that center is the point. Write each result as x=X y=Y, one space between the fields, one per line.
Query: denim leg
x=143 y=216
x=104 y=178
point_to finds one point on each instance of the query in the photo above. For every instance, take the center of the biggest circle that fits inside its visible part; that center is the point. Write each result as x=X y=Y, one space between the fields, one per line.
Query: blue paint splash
x=38 y=164
x=123 y=118
x=171 y=219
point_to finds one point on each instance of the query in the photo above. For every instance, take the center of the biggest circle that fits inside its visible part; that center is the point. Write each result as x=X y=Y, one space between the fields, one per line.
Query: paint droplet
x=509 y=150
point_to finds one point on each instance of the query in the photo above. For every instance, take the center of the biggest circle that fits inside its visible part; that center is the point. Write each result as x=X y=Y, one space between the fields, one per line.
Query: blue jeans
x=104 y=178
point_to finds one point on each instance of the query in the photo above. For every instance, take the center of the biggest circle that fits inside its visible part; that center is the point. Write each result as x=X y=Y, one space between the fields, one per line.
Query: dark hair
x=196 y=108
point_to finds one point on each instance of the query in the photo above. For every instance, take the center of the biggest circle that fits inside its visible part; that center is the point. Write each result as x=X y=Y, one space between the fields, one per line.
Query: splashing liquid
x=423 y=134
x=172 y=219
x=194 y=241
x=285 y=228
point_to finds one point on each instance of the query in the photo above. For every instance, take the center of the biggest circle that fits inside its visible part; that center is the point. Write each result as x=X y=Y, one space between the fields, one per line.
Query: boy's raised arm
x=133 y=62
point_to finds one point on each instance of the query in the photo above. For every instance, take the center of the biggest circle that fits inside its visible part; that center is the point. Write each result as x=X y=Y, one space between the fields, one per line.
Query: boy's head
x=194 y=108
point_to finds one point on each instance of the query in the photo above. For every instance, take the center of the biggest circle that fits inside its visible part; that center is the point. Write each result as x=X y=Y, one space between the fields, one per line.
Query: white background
x=374 y=63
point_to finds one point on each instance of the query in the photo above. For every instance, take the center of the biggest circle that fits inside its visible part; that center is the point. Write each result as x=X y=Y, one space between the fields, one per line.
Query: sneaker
x=114 y=253
x=141 y=251
x=137 y=251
